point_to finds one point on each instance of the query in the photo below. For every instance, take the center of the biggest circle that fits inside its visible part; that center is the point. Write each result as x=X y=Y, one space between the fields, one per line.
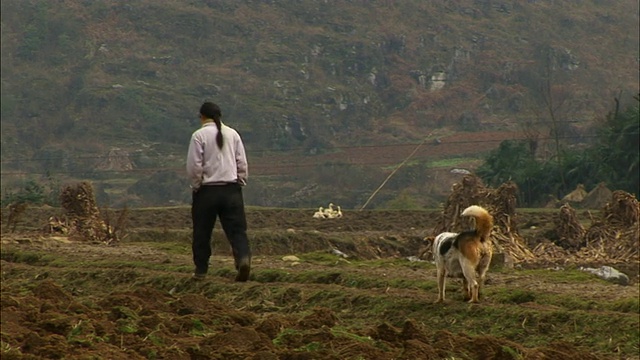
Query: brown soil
x=75 y=300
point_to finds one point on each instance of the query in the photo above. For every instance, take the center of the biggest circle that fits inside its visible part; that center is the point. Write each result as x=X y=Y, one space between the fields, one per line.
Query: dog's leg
x=481 y=280
x=442 y=273
x=470 y=276
x=483 y=267
x=466 y=295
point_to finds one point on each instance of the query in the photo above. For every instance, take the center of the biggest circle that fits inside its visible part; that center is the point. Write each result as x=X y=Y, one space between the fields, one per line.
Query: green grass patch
x=311 y=347
x=629 y=305
x=159 y=235
x=513 y=353
x=126 y=326
x=512 y=296
x=268 y=276
x=451 y=162
x=26 y=257
x=340 y=332
x=321 y=257
x=198 y=328
x=395 y=262
x=282 y=338
x=170 y=247
x=121 y=264
x=569 y=275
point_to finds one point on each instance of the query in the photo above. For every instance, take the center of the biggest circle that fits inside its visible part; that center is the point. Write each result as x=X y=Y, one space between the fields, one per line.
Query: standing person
x=217 y=169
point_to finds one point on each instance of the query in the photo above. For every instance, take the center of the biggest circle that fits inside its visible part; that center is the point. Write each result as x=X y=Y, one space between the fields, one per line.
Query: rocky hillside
x=110 y=91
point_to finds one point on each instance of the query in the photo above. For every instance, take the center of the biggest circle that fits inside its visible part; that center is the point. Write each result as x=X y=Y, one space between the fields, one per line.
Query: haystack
x=469 y=191
x=83 y=215
x=576 y=195
x=622 y=210
x=596 y=198
x=569 y=231
x=616 y=235
x=552 y=202
x=501 y=203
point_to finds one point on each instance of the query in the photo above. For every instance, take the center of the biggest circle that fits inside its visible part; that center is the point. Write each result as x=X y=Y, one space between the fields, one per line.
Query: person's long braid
x=219 y=139
x=212 y=111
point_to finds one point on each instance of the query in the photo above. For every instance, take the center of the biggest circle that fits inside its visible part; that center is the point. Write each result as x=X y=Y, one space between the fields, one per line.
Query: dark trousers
x=225 y=202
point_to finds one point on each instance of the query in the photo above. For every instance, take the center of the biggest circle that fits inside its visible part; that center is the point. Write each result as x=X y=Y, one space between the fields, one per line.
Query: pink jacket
x=207 y=164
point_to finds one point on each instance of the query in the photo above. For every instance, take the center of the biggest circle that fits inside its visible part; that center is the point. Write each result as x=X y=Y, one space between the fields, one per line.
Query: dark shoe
x=198 y=277
x=244 y=269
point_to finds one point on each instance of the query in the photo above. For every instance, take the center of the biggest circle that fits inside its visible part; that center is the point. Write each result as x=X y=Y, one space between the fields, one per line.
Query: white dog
x=466 y=254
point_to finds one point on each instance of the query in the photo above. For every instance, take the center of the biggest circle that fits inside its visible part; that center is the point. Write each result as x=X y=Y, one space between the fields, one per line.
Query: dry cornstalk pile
x=549 y=251
x=16 y=210
x=622 y=210
x=569 y=230
x=614 y=238
x=83 y=215
x=501 y=203
x=469 y=191
x=617 y=235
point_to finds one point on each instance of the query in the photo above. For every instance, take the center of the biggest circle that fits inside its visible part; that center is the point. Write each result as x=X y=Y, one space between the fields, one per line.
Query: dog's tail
x=484 y=220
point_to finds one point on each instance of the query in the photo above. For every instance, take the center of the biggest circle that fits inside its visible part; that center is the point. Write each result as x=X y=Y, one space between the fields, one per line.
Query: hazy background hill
x=330 y=96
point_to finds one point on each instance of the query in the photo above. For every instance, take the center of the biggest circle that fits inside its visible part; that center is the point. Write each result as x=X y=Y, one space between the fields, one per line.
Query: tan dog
x=466 y=254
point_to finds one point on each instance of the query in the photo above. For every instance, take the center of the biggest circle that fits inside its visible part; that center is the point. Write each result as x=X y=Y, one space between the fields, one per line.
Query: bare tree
x=551 y=105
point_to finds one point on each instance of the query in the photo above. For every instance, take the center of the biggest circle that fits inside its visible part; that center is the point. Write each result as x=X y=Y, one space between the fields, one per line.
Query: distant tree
x=614 y=159
x=618 y=147
x=552 y=101
x=31 y=192
x=505 y=163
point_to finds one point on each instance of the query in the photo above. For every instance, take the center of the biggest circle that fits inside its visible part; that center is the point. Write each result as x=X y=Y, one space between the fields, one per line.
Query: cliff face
x=302 y=78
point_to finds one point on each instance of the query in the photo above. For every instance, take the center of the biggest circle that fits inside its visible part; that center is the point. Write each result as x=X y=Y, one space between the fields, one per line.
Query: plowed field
x=64 y=299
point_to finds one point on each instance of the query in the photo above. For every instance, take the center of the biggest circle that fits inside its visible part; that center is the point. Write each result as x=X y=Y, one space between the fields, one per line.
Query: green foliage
x=502 y=164
x=48 y=36
x=32 y=192
x=32 y=42
x=613 y=159
x=512 y=161
x=35 y=192
x=618 y=150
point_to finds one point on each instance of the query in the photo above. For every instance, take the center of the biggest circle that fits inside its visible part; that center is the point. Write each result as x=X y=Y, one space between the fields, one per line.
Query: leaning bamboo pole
x=394 y=171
